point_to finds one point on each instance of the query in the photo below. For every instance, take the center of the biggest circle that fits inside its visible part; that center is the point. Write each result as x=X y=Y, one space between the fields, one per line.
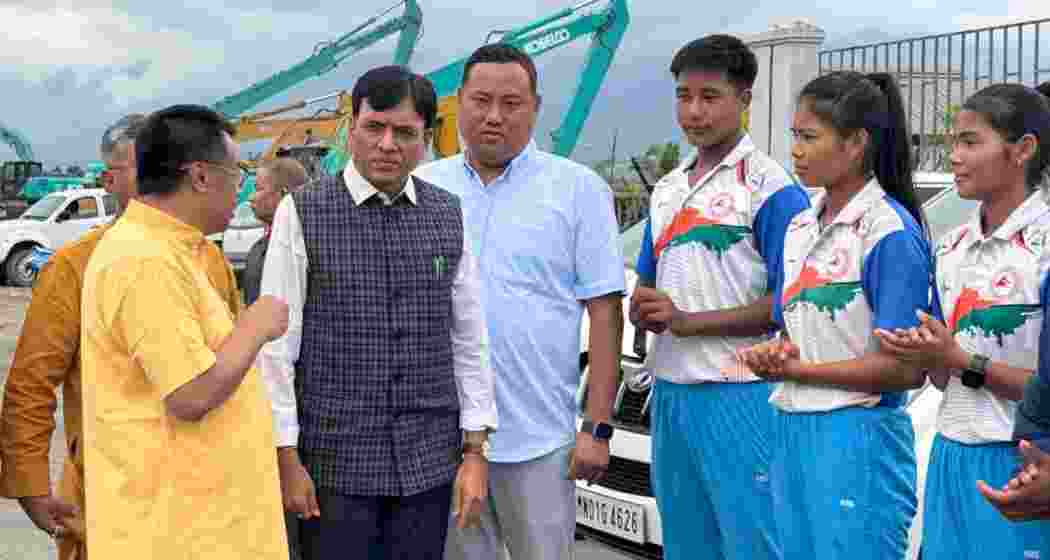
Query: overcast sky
x=69 y=68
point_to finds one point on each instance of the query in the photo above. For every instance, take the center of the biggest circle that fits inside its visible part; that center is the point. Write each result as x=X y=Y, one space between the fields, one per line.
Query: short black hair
x=1014 y=110
x=502 y=53
x=1044 y=88
x=387 y=86
x=174 y=137
x=718 y=53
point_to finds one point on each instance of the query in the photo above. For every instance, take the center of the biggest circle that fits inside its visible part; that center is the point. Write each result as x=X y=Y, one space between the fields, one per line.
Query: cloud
x=1016 y=11
x=71 y=67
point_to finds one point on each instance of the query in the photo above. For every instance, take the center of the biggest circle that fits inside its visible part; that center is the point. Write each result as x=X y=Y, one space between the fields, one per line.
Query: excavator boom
x=18 y=143
x=331 y=55
x=535 y=38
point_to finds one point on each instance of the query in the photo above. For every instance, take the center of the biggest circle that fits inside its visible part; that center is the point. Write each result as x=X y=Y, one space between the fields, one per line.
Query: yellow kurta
x=158 y=487
x=47 y=358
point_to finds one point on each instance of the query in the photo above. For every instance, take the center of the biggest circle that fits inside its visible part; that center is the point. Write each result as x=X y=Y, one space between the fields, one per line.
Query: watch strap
x=592 y=428
x=978 y=363
x=974 y=376
x=587 y=427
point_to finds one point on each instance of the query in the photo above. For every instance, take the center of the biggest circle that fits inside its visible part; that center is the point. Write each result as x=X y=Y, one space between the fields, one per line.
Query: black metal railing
x=631 y=208
x=937 y=73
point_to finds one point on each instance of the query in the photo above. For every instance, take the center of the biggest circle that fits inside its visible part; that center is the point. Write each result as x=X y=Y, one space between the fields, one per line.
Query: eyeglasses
x=234 y=170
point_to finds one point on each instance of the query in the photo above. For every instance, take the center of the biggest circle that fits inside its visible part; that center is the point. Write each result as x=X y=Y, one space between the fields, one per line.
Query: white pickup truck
x=52 y=222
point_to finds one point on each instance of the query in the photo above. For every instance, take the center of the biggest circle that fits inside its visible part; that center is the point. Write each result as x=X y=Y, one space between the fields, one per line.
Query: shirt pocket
x=533 y=257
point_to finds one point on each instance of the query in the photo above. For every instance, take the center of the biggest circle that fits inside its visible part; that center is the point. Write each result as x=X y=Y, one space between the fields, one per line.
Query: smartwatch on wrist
x=976 y=373
x=598 y=430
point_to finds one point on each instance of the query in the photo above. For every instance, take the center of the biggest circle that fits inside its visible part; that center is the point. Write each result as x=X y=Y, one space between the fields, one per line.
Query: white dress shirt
x=285 y=277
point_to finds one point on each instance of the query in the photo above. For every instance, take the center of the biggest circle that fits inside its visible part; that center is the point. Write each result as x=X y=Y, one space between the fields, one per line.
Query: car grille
x=632 y=411
x=630 y=477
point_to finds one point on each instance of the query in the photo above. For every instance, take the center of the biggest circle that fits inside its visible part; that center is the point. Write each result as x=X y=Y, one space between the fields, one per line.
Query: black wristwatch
x=976 y=372
x=599 y=430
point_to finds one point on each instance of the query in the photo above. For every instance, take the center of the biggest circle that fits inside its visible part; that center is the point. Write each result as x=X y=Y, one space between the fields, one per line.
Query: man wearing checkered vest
x=381 y=389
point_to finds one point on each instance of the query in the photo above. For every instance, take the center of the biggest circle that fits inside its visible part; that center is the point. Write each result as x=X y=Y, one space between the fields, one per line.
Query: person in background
x=47 y=358
x=178 y=443
x=982 y=344
x=712 y=426
x=1026 y=497
x=844 y=467
x=273 y=180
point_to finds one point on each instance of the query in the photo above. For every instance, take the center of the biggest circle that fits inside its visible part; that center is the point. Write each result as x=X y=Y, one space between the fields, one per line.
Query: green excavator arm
x=18 y=143
x=607 y=28
x=330 y=55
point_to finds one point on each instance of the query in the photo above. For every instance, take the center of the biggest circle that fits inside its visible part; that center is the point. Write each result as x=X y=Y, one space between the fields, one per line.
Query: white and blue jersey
x=843 y=469
x=869 y=269
x=989 y=295
x=718 y=246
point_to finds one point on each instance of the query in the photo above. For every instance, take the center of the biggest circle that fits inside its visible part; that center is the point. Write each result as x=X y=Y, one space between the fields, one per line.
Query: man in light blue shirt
x=548 y=244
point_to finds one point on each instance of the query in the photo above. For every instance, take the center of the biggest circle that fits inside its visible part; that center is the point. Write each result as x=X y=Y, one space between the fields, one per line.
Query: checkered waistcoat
x=378 y=405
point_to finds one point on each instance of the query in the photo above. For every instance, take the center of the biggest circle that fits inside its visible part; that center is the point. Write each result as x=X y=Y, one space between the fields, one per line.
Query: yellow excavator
x=286 y=133
x=330 y=129
x=327 y=130
x=307 y=139
x=316 y=129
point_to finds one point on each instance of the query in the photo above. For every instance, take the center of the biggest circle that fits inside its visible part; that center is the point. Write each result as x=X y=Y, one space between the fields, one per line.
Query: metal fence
x=937 y=73
x=631 y=208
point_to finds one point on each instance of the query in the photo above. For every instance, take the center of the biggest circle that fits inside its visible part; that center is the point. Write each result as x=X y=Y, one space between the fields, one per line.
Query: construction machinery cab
x=311 y=156
x=13 y=176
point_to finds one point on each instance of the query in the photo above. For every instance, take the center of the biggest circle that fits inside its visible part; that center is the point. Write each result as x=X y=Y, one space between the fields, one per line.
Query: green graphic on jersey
x=997 y=320
x=829 y=297
x=715 y=237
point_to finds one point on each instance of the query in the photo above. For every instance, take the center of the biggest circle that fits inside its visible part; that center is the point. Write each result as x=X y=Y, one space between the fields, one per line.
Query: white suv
x=244 y=230
x=621 y=511
x=50 y=223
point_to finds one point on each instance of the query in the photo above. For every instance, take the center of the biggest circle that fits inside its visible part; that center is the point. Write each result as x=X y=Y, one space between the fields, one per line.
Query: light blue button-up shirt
x=547 y=239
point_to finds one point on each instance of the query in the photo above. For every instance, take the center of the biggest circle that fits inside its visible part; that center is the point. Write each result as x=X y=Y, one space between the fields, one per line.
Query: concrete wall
x=787 y=60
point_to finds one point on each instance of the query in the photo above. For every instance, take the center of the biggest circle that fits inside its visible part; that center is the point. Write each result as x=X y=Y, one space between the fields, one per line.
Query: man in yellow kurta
x=179 y=450
x=47 y=357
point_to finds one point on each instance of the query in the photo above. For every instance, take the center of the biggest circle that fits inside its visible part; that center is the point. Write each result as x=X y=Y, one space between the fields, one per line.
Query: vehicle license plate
x=623 y=519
